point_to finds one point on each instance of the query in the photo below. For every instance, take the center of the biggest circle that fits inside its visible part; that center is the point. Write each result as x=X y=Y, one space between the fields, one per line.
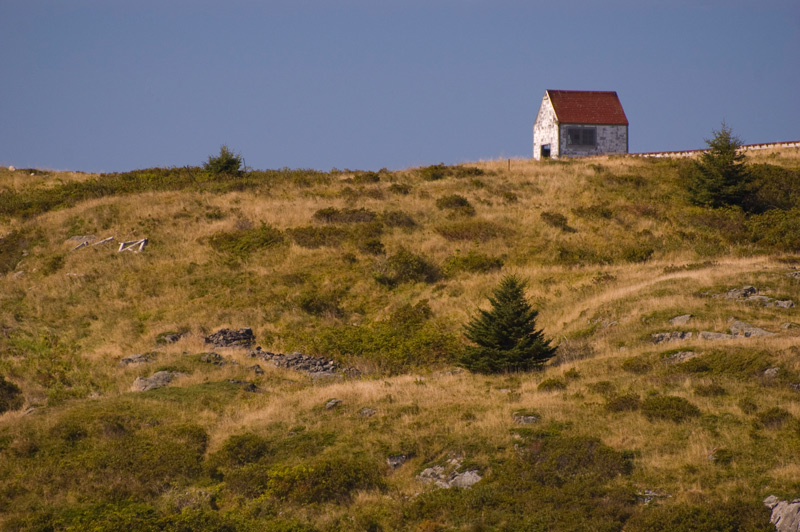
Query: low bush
x=10 y=396
x=440 y=171
x=774 y=418
x=731 y=516
x=12 y=247
x=365 y=178
x=668 y=408
x=399 y=188
x=472 y=262
x=557 y=220
x=314 y=237
x=456 y=204
x=345 y=216
x=710 y=390
x=623 y=403
x=242 y=243
x=406 y=267
x=398 y=219
x=639 y=365
x=552 y=385
x=471 y=230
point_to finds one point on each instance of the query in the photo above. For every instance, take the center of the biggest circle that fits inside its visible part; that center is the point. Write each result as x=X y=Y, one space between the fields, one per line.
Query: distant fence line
x=745 y=147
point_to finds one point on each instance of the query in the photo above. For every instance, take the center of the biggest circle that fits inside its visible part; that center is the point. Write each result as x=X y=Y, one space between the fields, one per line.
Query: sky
x=116 y=85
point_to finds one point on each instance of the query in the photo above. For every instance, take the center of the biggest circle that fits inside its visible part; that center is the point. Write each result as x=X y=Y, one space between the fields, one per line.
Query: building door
x=545 y=153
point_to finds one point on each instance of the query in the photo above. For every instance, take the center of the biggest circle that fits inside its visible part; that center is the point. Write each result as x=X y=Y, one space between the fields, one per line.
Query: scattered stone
x=680 y=356
x=212 y=358
x=786 y=303
x=230 y=338
x=741 y=328
x=169 y=337
x=246 y=386
x=648 y=496
x=314 y=366
x=795 y=386
x=708 y=335
x=789 y=325
x=396 y=460
x=683 y=319
x=436 y=475
x=367 y=412
x=156 y=380
x=524 y=419
x=794 y=275
x=739 y=293
x=785 y=515
x=771 y=373
x=135 y=360
x=256 y=369
x=659 y=338
x=333 y=403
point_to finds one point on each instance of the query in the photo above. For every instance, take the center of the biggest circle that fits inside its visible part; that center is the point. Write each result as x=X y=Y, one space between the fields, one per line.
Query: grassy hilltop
x=378 y=271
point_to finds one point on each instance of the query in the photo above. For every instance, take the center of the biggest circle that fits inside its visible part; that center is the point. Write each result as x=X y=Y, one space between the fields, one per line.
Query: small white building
x=579 y=123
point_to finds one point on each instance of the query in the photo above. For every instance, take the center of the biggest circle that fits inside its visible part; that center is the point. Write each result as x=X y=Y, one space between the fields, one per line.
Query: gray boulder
x=156 y=380
x=680 y=356
x=683 y=319
x=739 y=293
x=741 y=328
x=659 y=338
x=230 y=338
x=135 y=360
x=708 y=335
x=396 y=460
x=785 y=515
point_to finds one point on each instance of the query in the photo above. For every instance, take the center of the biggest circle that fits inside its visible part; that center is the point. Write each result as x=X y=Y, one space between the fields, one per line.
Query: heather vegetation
x=607 y=389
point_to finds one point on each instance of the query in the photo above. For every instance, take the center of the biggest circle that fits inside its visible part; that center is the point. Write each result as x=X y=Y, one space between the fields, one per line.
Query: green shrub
x=472 y=230
x=440 y=171
x=244 y=242
x=559 y=221
x=473 y=262
x=552 y=385
x=638 y=365
x=226 y=162
x=334 y=215
x=623 y=403
x=505 y=337
x=400 y=188
x=328 y=479
x=747 y=405
x=774 y=418
x=10 y=396
x=669 y=408
x=320 y=303
x=315 y=237
x=406 y=267
x=457 y=204
x=731 y=516
x=242 y=449
x=776 y=228
x=365 y=178
x=398 y=219
x=12 y=247
x=772 y=187
x=710 y=390
x=605 y=388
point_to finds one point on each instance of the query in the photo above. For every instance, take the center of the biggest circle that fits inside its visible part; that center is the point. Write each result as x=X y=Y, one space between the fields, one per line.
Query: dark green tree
x=505 y=336
x=226 y=162
x=720 y=178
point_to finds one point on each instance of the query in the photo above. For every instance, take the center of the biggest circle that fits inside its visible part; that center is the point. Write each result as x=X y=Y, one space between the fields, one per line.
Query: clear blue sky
x=112 y=85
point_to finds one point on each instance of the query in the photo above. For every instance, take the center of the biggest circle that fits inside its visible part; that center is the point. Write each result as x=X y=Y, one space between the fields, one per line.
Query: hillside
x=635 y=424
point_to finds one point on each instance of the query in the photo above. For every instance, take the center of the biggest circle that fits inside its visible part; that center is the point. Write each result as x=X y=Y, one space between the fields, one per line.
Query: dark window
x=582 y=136
x=545 y=151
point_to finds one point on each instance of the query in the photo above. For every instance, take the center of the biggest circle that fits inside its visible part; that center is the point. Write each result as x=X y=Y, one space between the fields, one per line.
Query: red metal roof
x=588 y=107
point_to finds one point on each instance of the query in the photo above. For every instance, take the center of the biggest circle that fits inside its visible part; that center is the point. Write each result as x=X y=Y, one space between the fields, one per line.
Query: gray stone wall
x=610 y=139
x=545 y=130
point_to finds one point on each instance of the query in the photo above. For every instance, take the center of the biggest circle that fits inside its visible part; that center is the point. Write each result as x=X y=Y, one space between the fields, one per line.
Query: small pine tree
x=506 y=337
x=720 y=177
x=226 y=162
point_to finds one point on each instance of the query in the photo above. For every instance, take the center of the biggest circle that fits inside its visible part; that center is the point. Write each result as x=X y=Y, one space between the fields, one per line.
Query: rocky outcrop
x=313 y=366
x=662 y=337
x=680 y=356
x=749 y=294
x=156 y=380
x=741 y=328
x=230 y=338
x=683 y=319
x=785 y=515
x=137 y=359
x=449 y=477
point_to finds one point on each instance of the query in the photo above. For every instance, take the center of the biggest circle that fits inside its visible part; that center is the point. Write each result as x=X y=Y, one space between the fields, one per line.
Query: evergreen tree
x=720 y=177
x=226 y=162
x=505 y=336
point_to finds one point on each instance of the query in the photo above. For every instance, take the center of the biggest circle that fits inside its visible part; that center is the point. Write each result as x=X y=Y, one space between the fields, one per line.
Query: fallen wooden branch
x=131 y=245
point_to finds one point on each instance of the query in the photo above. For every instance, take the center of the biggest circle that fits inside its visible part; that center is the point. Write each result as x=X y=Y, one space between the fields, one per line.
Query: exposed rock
x=256 y=369
x=396 y=460
x=683 y=319
x=314 y=366
x=786 y=303
x=169 y=337
x=332 y=403
x=680 y=356
x=794 y=275
x=738 y=293
x=212 y=358
x=789 y=325
x=438 y=476
x=708 y=335
x=771 y=373
x=230 y=338
x=367 y=412
x=659 y=338
x=648 y=496
x=246 y=386
x=524 y=419
x=795 y=386
x=135 y=360
x=741 y=328
x=785 y=515
x=156 y=380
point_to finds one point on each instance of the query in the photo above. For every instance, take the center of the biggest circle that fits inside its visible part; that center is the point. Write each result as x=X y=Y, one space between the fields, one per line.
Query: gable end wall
x=545 y=130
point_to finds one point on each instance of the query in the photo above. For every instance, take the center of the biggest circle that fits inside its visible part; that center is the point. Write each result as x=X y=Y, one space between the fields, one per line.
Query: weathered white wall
x=545 y=130
x=610 y=139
